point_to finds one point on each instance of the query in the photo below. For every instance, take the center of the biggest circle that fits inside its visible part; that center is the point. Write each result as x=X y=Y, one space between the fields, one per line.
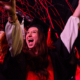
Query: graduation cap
x=43 y=27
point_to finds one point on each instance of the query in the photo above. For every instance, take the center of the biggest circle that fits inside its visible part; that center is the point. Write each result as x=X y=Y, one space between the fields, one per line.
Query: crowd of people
x=35 y=60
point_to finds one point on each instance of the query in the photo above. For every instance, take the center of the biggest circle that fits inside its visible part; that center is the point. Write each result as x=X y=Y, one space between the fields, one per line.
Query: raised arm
x=77 y=11
x=11 y=9
x=12 y=29
x=70 y=32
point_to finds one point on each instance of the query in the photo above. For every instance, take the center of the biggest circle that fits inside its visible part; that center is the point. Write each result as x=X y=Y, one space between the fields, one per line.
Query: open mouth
x=30 y=40
x=30 y=43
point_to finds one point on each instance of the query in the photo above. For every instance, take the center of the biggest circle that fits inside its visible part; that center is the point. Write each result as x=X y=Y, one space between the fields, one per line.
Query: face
x=32 y=37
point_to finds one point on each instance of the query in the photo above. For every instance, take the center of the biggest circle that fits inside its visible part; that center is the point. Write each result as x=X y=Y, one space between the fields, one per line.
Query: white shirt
x=14 y=37
x=70 y=32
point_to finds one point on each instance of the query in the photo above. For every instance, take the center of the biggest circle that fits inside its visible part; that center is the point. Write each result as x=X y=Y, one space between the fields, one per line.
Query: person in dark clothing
x=73 y=40
x=36 y=61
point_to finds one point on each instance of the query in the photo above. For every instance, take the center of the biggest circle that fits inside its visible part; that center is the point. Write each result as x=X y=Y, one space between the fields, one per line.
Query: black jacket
x=14 y=68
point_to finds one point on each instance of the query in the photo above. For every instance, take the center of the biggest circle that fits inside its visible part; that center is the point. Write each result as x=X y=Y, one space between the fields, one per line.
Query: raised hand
x=79 y=2
x=77 y=10
x=11 y=9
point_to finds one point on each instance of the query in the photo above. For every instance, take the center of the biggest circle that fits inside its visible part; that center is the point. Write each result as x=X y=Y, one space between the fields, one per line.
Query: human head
x=35 y=27
x=36 y=40
x=32 y=37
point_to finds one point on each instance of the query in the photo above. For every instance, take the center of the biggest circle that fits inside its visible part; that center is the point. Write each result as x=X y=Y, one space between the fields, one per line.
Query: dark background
x=53 y=12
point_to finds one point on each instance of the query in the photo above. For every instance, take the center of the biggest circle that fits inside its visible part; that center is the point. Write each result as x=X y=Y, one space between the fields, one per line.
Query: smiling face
x=32 y=37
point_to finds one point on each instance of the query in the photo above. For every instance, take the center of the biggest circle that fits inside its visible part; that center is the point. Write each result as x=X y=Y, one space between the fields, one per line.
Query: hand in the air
x=10 y=7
